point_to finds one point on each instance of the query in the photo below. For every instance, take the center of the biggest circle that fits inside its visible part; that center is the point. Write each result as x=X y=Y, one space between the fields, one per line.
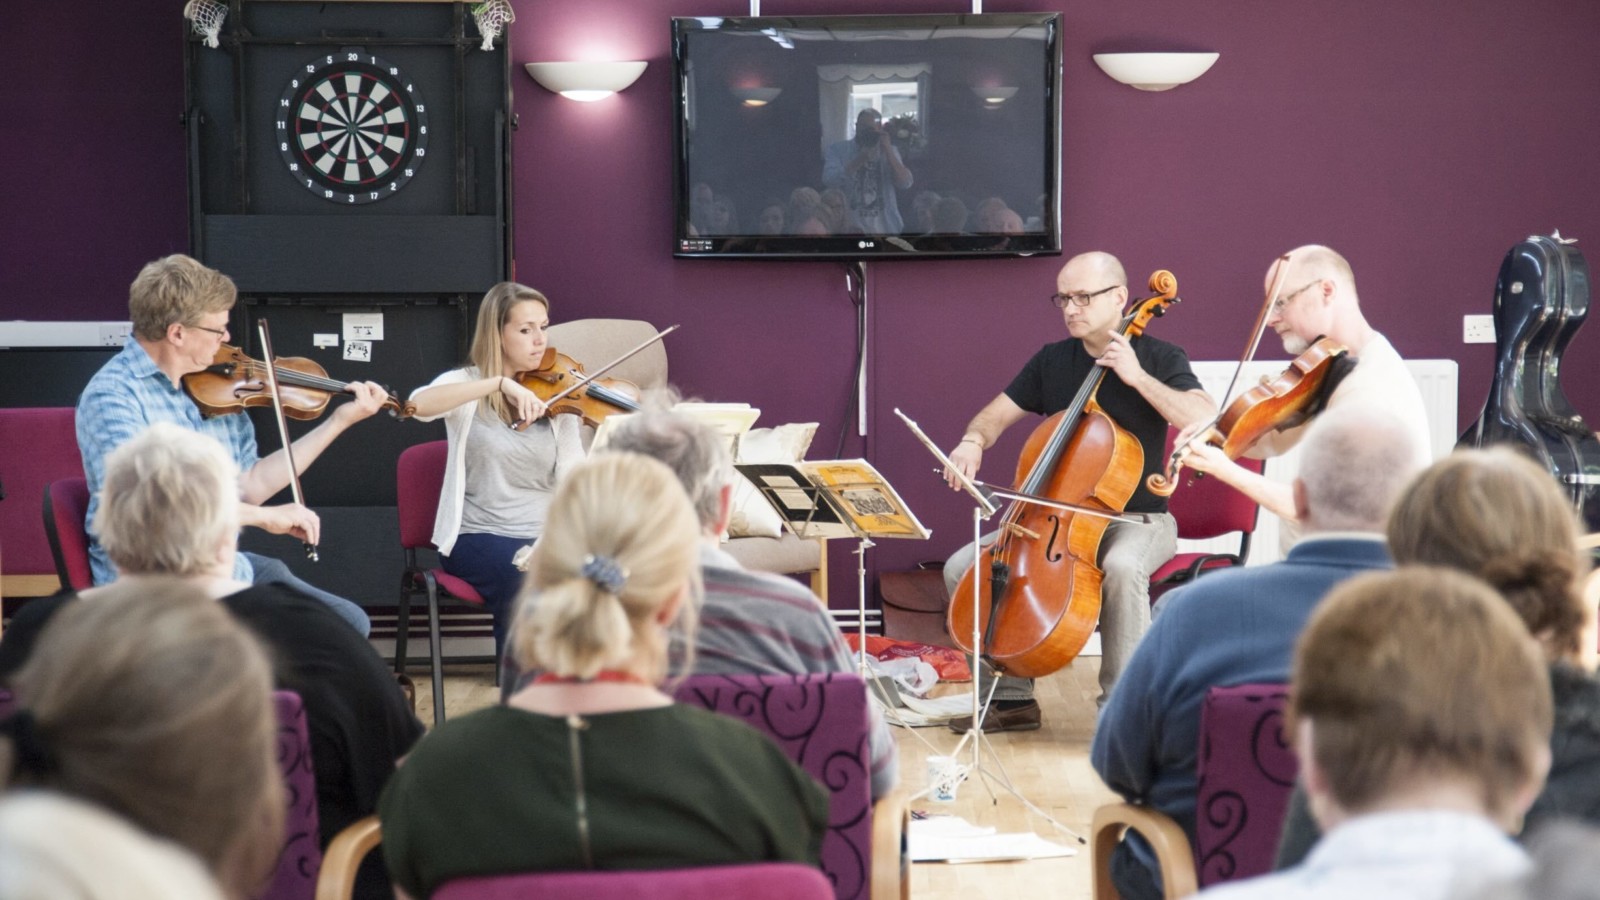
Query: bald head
x=1098 y=266
x=1314 y=261
x=1356 y=461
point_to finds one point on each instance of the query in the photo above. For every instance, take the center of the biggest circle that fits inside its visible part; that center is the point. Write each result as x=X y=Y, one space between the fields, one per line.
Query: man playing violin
x=1316 y=297
x=179 y=311
x=1153 y=386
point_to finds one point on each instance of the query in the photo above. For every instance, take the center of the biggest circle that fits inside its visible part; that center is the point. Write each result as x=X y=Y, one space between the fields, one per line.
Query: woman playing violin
x=1316 y=297
x=498 y=479
x=179 y=311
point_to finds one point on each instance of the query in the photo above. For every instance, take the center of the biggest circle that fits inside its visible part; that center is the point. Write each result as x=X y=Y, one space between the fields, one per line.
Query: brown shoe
x=409 y=689
x=1016 y=718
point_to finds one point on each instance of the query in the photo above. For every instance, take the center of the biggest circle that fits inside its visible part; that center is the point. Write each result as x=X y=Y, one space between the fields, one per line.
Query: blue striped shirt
x=125 y=397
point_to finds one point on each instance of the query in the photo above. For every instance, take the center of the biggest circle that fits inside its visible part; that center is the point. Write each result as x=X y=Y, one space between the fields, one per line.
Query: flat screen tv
x=858 y=137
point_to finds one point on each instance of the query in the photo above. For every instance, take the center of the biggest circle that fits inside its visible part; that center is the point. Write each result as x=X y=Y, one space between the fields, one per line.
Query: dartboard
x=352 y=128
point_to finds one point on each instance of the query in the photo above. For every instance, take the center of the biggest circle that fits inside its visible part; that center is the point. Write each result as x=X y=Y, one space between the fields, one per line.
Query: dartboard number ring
x=351 y=127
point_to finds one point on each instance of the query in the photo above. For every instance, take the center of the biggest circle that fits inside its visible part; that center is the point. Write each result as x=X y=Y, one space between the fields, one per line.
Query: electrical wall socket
x=1477 y=329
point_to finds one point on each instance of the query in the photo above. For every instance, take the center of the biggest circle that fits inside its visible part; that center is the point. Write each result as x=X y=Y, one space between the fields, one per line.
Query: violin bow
x=580 y=382
x=1163 y=484
x=1250 y=347
x=271 y=366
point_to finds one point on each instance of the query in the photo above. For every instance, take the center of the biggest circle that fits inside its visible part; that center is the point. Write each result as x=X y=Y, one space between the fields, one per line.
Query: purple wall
x=1421 y=146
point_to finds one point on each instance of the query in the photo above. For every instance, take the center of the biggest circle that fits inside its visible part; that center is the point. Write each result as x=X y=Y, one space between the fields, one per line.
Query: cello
x=1038 y=589
x=1541 y=298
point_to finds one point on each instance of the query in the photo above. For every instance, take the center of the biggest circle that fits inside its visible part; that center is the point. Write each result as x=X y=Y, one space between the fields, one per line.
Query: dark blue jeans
x=484 y=561
x=274 y=571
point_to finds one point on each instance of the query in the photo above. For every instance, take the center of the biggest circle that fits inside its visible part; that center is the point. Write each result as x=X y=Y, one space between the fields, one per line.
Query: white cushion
x=752 y=515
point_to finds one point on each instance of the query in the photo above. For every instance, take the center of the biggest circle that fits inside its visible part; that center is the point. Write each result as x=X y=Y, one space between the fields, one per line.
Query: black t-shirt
x=1051 y=379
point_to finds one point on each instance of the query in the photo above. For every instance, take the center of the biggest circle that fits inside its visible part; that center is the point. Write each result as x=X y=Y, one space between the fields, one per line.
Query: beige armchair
x=594 y=342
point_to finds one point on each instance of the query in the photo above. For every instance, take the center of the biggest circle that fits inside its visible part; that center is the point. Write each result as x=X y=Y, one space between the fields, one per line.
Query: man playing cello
x=1153 y=386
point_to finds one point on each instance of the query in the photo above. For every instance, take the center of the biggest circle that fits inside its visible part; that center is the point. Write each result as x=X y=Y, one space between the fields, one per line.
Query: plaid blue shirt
x=126 y=396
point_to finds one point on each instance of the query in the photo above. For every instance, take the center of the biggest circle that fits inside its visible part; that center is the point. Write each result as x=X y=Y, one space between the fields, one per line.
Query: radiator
x=1435 y=377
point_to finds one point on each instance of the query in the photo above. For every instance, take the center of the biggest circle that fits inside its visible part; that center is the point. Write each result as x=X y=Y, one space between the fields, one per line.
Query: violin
x=1038 y=583
x=560 y=383
x=234 y=382
x=1289 y=399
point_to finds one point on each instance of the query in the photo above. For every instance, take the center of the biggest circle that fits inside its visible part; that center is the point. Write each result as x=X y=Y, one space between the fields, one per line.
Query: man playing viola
x=1152 y=386
x=179 y=311
x=1316 y=297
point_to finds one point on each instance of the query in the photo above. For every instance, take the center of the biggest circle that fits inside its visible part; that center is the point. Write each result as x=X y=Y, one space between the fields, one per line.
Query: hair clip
x=605 y=572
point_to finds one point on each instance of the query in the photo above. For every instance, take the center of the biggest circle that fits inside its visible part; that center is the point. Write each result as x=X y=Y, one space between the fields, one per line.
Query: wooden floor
x=1050 y=767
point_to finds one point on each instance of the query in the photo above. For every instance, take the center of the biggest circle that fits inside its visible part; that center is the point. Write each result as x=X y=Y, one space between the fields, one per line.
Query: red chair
x=1205 y=508
x=66 y=508
x=420 y=475
x=38 y=445
x=1246 y=771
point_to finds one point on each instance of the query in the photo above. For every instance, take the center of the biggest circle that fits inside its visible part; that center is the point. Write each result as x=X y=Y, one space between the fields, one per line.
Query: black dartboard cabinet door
x=350 y=148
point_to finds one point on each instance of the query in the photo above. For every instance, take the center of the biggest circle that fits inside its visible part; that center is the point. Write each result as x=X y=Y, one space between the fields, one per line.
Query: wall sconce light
x=586 y=81
x=756 y=96
x=1155 y=71
x=992 y=97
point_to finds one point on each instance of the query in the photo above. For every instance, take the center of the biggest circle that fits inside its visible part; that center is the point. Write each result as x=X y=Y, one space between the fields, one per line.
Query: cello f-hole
x=1050 y=550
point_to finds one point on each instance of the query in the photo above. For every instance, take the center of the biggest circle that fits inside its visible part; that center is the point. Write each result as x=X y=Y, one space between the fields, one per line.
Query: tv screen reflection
x=867 y=135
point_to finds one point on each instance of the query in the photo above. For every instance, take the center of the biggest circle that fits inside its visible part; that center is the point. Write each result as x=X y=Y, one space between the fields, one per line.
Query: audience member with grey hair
x=168 y=511
x=750 y=622
x=1499 y=516
x=1239 y=626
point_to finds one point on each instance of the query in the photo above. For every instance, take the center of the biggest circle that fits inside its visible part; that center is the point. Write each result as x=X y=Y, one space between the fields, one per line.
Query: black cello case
x=1540 y=300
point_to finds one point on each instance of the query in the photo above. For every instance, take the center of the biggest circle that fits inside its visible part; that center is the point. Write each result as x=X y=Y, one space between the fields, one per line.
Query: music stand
x=983 y=496
x=836 y=499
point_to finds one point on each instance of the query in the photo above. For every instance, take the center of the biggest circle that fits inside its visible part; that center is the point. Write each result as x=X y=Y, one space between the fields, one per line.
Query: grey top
x=511 y=476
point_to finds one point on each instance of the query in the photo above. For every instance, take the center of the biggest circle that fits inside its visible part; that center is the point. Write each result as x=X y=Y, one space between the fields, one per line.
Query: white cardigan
x=457 y=423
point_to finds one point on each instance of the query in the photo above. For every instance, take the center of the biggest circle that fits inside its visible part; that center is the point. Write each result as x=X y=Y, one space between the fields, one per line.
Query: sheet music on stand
x=834 y=499
x=730 y=421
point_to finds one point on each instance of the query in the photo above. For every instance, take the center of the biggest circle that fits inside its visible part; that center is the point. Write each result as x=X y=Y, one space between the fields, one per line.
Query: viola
x=559 y=382
x=1289 y=399
x=234 y=381
x=1038 y=585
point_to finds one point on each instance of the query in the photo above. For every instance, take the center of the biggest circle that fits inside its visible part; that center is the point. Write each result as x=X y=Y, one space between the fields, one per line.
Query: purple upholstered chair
x=769 y=881
x=301 y=859
x=419 y=476
x=1246 y=771
x=38 y=445
x=822 y=723
x=66 y=506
